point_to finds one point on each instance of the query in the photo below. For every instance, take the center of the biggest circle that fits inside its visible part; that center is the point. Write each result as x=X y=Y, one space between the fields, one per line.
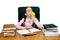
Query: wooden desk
x=38 y=36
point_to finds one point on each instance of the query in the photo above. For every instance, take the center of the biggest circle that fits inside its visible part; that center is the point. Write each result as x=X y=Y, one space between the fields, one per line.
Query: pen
x=28 y=30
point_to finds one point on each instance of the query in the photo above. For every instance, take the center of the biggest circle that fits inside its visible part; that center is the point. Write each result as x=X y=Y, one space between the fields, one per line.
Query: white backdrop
x=49 y=11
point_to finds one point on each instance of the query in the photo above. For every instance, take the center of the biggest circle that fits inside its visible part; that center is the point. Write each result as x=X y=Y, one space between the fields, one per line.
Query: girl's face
x=28 y=12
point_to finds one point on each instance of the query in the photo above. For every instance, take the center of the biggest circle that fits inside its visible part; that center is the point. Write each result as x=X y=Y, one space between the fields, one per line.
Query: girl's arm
x=35 y=20
x=18 y=25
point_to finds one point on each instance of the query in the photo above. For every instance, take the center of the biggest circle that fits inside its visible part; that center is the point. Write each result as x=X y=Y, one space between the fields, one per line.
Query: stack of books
x=9 y=30
x=50 y=30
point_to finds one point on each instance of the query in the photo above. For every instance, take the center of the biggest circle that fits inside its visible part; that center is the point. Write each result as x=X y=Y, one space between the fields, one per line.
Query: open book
x=25 y=31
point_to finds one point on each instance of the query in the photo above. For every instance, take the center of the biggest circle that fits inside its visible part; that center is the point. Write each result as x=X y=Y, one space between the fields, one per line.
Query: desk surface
x=38 y=36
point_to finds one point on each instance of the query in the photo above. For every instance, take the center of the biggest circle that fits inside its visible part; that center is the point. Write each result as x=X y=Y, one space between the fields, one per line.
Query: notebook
x=25 y=31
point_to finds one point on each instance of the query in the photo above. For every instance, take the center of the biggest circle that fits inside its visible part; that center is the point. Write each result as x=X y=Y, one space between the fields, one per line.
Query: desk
x=38 y=36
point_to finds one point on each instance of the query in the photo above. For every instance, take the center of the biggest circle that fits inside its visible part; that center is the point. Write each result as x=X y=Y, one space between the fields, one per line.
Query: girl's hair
x=25 y=12
x=25 y=16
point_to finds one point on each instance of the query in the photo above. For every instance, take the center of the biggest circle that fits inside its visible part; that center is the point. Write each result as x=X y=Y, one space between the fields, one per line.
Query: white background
x=49 y=11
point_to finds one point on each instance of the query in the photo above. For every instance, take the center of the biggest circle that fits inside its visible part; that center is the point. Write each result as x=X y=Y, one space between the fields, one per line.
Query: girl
x=29 y=20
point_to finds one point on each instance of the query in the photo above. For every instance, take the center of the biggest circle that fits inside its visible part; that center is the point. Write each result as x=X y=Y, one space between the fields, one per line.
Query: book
x=52 y=28
x=9 y=31
x=25 y=31
x=9 y=28
x=51 y=33
x=9 y=34
x=47 y=26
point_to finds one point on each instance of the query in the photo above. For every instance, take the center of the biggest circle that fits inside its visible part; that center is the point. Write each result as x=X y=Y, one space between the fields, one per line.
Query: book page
x=23 y=31
x=34 y=30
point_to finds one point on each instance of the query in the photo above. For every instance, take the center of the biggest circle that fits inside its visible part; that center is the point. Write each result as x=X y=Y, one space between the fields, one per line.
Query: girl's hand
x=28 y=27
x=40 y=28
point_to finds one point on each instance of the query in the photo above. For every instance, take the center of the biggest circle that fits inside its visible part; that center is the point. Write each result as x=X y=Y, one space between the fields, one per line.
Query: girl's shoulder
x=22 y=19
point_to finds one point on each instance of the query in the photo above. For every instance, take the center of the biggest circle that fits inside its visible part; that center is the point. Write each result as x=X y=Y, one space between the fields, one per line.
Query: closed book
x=9 y=34
x=51 y=33
x=9 y=31
x=9 y=28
